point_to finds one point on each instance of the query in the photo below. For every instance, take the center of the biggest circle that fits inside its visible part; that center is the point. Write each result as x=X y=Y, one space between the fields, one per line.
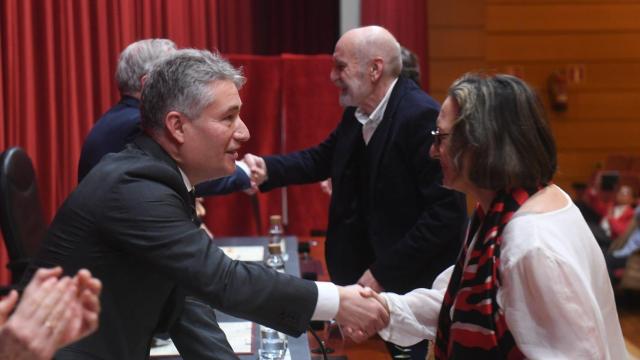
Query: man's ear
x=174 y=124
x=143 y=79
x=375 y=69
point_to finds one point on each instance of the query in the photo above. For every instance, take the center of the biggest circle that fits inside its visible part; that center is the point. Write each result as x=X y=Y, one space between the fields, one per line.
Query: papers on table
x=169 y=349
x=244 y=253
x=238 y=334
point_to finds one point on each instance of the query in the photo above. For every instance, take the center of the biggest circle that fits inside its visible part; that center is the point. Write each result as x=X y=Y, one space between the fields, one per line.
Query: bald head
x=371 y=42
x=366 y=62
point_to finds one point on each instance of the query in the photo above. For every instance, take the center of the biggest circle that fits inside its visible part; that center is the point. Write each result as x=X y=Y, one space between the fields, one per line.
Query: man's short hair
x=501 y=126
x=410 y=65
x=181 y=82
x=137 y=59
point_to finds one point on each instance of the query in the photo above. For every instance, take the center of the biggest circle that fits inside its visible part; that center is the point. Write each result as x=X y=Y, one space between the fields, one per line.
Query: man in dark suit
x=392 y=226
x=131 y=223
x=121 y=123
x=196 y=332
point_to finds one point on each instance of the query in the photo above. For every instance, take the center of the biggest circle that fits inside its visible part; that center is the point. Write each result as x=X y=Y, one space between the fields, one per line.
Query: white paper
x=244 y=253
x=238 y=334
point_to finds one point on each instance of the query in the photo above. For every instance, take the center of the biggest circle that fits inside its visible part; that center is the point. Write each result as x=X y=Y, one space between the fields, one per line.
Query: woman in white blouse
x=530 y=281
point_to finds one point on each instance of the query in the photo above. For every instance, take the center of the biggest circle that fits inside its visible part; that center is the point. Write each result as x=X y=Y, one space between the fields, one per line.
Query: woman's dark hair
x=502 y=132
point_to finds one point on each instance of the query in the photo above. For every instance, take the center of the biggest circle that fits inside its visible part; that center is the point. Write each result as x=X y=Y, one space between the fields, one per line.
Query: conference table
x=298 y=347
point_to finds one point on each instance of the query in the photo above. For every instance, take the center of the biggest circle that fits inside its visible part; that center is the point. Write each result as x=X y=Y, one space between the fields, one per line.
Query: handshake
x=257 y=172
x=362 y=312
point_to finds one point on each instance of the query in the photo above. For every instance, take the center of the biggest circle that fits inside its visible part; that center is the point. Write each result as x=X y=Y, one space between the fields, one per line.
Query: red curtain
x=407 y=21
x=312 y=111
x=57 y=65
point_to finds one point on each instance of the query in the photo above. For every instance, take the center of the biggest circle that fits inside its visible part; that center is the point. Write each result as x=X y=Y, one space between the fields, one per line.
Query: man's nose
x=242 y=132
x=333 y=75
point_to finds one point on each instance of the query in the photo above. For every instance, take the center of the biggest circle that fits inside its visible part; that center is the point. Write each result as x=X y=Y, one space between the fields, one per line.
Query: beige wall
x=536 y=38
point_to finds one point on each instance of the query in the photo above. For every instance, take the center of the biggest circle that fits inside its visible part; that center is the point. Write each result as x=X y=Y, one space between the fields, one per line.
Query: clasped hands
x=362 y=312
x=258 y=169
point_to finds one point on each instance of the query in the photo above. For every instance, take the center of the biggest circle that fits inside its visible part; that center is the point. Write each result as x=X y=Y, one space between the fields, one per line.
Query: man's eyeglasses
x=438 y=136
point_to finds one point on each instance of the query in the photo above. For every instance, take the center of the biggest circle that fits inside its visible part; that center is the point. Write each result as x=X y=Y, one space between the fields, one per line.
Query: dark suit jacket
x=119 y=126
x=130 y=223
x=414 y=227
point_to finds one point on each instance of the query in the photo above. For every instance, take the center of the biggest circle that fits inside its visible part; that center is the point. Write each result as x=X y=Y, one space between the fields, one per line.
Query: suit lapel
x=380 y=139
x=345 y=146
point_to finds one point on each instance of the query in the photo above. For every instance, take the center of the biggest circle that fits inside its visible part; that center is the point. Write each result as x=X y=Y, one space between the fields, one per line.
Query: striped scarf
x=477 y=329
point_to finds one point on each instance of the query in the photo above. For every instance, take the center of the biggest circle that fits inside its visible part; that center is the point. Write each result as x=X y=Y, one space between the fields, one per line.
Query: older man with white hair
x=392 y=226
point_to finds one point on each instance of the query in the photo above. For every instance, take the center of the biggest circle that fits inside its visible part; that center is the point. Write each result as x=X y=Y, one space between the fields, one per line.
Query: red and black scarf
x=477 y=329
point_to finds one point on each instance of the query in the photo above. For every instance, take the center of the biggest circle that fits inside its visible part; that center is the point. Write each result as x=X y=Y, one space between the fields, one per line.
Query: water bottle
x=273 y=344
x=274 y=259
x=276 y=234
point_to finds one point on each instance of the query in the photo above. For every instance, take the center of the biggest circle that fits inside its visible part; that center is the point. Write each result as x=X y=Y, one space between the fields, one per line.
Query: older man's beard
x=347 y=97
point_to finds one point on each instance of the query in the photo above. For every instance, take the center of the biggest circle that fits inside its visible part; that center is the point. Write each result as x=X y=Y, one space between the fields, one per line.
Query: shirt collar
x=377 y=114
x=186 y=181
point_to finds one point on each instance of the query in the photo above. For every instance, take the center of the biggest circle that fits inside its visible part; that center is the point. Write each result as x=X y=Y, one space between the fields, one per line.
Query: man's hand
x=52 y=313
x=362 y=315
x=86 y=306
x=258 y=169
x=359 y=336
x=367 y=280
x=326 y=186
x=6 y=305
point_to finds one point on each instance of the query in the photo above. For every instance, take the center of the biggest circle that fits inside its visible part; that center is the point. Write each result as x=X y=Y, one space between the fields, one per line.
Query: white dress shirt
x=328 y=297
x=371 y=121
x=556 y=293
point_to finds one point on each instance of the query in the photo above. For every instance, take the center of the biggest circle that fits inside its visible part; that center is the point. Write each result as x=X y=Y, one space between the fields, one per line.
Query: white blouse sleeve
x=551 y=313
x=414 y=316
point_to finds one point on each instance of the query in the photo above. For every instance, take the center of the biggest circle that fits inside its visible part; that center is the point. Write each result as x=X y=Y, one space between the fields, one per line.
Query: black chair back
x=21 y=215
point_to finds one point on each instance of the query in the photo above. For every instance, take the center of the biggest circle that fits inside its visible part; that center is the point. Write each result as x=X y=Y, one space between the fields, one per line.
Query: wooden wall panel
x=598 y=76
x=606 y=137
x=503 y=47
x=573 y=163
x=555 y=2
x=534 y=38
x=444 y=72
x=604 y=107
x=456 y=13
x=543 y=18
x=456 y=43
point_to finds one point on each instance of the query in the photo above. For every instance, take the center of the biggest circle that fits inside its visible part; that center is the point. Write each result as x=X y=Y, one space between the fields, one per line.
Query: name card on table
x=244 y=253
x=238 y=334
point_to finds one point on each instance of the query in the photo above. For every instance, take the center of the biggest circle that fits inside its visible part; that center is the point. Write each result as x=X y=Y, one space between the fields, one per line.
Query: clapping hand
x=52 y=313
x=362 y=314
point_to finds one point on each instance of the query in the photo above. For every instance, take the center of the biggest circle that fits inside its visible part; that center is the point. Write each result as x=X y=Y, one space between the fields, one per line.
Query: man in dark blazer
x=131 y=223
x=392 y=226
x=121 y=123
